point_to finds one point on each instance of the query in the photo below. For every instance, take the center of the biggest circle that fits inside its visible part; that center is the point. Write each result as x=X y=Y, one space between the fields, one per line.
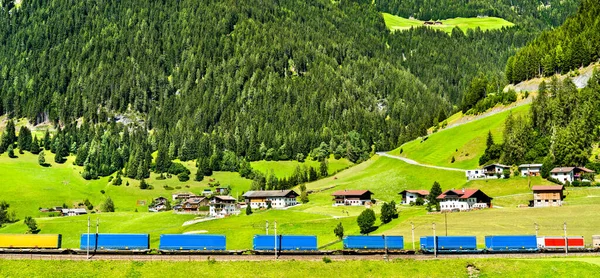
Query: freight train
x=290 y=244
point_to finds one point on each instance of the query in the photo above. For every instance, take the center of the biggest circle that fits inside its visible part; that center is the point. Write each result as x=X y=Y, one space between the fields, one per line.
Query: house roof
x=530 y=166
x=585 y=169
x=225 y=198
x=351 y=192
x=547 y=187
x=562 y=169
x=420 y=192
x=269 y=193
x=194 y=200
x=461 y=193
x=496 y=164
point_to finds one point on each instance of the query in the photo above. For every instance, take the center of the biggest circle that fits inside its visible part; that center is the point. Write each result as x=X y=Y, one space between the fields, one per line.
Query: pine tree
x=490 y=140
x=35 y=147
x=47 y=140
x=162 y=159
x=58 y=158
x=248 y=209
x=118 y=180
x=436 y=190
x=108 y=205
x=42 y=159
x=199 y=174
x=11 y=151
x=323 y=171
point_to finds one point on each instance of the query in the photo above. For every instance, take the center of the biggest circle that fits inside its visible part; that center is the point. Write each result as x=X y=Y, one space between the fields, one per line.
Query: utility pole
x=385 y=248
x=446 y=221
x=275 y=228
x=536 y=229
x=434 y=242
x=88 y=240
x=267 y=228
x=412 y=225
x=566 y=241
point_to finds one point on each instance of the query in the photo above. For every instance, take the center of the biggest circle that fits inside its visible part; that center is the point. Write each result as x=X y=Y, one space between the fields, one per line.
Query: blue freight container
x=449 y=244
x=192 y=242
x=524 y=243
x=285 y=243
x=115 y=242
x=374 y=242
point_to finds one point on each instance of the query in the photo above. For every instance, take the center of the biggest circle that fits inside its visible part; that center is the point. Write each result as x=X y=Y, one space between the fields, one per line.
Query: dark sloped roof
x=269 y=193
x=420 y=192
x=461 y=193
x=562 y=169
x=351 y=192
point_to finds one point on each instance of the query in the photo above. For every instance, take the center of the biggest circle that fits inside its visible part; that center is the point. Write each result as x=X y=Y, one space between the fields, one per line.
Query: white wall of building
x=412 y=197
x=276 y=202
x=562 y=177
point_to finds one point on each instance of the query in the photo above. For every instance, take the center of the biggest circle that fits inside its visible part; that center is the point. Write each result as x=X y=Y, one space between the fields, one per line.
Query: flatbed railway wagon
x=285 y=244
x=449 y=244
x=557 y=243
x=30 y=242
x=511 y=243
x=190 y=243
x=373 y=244
x=115 y=243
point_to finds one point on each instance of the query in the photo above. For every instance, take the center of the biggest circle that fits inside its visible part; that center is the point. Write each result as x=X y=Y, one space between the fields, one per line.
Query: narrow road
x=412 y=162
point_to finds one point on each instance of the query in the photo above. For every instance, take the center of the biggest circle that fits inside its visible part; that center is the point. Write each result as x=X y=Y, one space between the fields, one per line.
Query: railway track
x=304 y=257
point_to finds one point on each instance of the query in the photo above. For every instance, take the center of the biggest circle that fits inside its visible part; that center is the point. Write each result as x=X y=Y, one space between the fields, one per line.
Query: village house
x=530 y=169
x=352 y=197
x=158 y=204
x=221 y=206
x=494 y=170
x=207 y=192
x=475 y=174
x=73 y=212
x=569 y=174
x=547 y=195
x=222 y=191
x=464 y=200
x=194 y=204
x=277 y=198
x=182 y=196
x=411 y=196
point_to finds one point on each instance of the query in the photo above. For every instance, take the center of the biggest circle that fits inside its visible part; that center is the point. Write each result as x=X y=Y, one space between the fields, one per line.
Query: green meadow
x=504 y=267
x=396 y=23
x=466 y=143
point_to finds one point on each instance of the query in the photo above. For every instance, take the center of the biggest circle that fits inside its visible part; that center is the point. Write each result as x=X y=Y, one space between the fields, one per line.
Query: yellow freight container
x=28 y=241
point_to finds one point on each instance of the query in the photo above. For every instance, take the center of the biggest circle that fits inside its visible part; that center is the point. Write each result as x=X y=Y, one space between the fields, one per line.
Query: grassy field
x=286 y=168
x=28 y=186
x=466 y=143
x=395 y=23
x=553 y=267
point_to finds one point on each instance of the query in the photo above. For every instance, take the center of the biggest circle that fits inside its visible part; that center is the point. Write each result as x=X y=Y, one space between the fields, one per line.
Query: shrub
x=339 y=231
x=506 y=173
x=452 y=160
x=576 y=183
x=102 y=191
x=183 y=177
x=326 y=260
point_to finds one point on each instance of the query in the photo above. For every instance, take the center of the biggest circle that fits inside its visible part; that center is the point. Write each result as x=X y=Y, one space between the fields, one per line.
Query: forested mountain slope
x=289 y=74
x=575 y=44
x=529 y=12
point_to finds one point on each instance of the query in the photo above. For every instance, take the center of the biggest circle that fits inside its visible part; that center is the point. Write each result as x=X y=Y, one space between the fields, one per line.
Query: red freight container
x=559 y=242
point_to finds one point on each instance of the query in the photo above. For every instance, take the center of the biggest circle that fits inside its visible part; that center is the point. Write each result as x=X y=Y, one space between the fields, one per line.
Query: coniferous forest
x=227 y=82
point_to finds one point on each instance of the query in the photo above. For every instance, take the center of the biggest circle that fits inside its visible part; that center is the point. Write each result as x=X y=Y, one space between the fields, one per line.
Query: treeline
x=526 y=12
x=288 y=75
x=464 y=68
x=560 y=130
x=575 y=44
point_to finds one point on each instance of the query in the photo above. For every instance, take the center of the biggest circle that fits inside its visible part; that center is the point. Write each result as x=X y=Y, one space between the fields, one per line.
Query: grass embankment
x=560 y=267
x=395 y=23
x=466 y=143
x=283 y=169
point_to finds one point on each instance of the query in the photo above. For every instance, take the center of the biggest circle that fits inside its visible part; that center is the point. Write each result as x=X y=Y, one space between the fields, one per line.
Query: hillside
x=573 y=45
x=395 y=23
x=466 y=142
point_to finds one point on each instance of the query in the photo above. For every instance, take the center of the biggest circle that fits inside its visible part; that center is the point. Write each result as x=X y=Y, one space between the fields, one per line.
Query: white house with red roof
x=464 y=200
x=352 y=197
x=411 y=196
